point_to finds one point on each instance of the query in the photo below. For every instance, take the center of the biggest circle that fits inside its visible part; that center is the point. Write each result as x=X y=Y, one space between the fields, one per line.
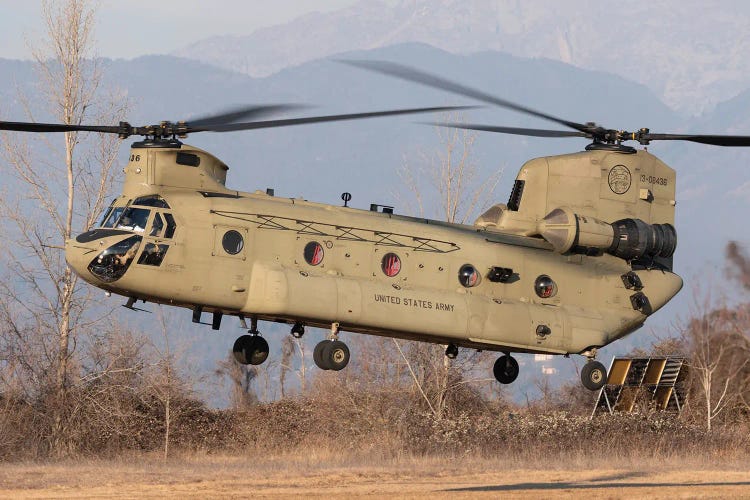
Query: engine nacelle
x=628 y=239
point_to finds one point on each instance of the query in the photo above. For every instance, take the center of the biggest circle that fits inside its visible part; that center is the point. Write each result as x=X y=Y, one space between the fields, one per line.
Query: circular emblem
x=619 y=179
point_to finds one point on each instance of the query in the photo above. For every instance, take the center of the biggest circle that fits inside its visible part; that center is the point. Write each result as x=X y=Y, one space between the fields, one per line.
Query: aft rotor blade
x=244 y=113
x=230 y=127
x=57 y=127
x=714 y=140
x=417 y=76
x=533 y=132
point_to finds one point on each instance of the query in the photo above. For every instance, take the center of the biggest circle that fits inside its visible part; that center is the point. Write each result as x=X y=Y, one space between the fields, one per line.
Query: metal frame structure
x=656 y=379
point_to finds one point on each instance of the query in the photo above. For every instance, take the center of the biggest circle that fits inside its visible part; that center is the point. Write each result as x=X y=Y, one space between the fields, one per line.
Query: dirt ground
x=227 y=477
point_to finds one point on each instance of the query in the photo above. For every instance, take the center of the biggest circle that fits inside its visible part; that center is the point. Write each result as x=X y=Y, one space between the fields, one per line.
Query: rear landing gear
x=505 y=369
x=593 y=375
x=331 y=355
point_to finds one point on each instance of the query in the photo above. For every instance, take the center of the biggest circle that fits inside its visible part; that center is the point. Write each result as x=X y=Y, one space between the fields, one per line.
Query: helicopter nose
x=78 y=257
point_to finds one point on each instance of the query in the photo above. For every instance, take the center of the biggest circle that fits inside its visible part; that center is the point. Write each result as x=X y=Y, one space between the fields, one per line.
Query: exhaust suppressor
x=628 y=239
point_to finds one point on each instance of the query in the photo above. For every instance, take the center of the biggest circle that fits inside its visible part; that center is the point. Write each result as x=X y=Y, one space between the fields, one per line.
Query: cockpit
x=151 y=225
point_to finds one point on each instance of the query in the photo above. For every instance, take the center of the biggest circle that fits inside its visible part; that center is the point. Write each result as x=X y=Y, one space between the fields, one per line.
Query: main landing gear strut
x=331 y=354
x=250 y=349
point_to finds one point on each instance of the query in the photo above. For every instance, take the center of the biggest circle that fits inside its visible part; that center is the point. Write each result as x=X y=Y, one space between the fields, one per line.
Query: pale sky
x=131 y=28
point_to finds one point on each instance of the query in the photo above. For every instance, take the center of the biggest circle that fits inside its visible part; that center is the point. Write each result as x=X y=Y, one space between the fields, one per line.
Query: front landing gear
x=505 y=369
x=251 y=349
x=593 y=375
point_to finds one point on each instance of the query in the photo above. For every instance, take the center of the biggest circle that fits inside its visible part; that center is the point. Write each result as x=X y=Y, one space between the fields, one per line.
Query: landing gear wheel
x=593 y=375
x=331 y=355
x=318 y=355
x=505 y=369
x=298 y=330
x=250 y=350
x=451 y=351
x=336 y=355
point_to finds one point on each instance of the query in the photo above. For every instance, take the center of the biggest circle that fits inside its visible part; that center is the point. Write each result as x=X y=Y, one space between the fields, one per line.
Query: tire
x=258 y=350
x=593 y=375
x=505 y=369
x=335 y=355
x=318 y=354
x=240 y=349
x=250 y=350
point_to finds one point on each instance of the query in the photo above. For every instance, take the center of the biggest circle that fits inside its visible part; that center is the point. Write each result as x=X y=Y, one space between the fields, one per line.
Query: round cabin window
x=391 y=264
x=468 y=276
x=313 y=253
x=545 y=287
x=232 y=242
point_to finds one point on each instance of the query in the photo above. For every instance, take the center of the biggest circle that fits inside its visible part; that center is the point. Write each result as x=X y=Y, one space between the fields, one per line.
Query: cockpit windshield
x=134 y=219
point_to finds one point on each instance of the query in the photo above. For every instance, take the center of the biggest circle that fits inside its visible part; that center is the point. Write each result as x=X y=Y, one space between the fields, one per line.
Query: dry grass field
x=324 y=476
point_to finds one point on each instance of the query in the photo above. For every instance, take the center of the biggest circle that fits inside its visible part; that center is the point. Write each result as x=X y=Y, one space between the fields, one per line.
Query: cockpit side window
x=153 y=254
x=157 y=227
x=171 y=226
x=113 y=215
x=103 y=218
x=134 y=219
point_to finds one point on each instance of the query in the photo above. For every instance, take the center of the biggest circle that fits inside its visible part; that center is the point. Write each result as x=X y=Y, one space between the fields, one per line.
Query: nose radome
x=78 y=256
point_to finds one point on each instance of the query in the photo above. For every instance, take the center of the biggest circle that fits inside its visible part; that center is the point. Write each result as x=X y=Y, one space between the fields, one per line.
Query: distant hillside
x=691 y=53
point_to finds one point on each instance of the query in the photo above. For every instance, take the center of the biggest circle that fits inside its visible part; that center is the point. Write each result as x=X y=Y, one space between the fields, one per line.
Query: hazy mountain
x=320 y=162
x=691 y=53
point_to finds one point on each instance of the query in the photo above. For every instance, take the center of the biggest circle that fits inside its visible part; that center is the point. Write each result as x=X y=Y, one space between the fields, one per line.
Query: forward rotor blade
x=57 y=127
x=714 y=140
x=245 y=113
x=533 y=132
x=230 y=127
x=417 y=76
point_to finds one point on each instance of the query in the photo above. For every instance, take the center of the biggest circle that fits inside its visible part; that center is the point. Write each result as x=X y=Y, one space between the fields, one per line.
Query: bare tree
x=241 y=378
x=738 y=264
x=43 y=301
x=719 y=358
x=458 y=192
x=453 y=177
x=292 y=348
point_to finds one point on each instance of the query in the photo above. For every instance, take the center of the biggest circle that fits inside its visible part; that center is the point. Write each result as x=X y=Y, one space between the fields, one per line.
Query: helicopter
x=580 y=256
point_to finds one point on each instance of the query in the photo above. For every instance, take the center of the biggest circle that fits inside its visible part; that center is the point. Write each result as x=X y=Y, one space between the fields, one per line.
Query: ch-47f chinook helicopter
x=580 y=256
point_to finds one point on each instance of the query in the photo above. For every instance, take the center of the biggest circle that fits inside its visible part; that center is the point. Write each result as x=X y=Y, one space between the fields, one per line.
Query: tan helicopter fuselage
x=350 y=276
